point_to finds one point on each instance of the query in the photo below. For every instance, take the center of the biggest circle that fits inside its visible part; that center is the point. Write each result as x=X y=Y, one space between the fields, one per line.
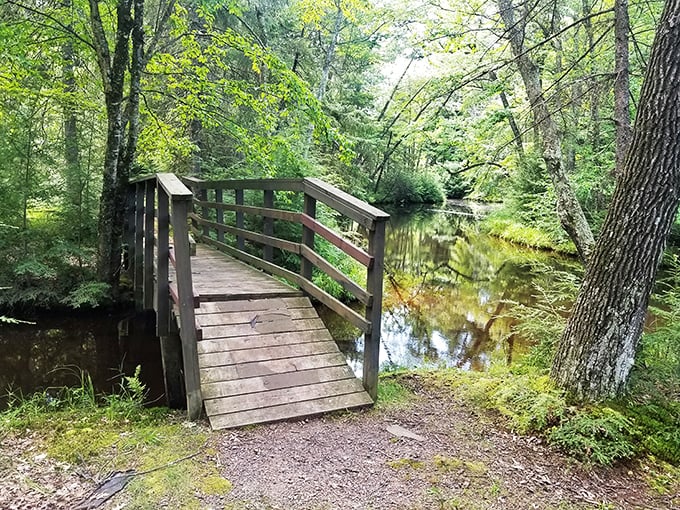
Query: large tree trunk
x=597 y=349
x=568 y=208
x=122 y=124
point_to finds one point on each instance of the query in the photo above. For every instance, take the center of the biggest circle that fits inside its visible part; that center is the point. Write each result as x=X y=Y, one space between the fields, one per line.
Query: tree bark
x=569 y=209
x=597 y=349
x=624 y=131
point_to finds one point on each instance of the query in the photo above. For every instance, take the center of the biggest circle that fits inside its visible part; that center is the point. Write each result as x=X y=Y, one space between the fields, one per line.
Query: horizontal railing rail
x=209 y=225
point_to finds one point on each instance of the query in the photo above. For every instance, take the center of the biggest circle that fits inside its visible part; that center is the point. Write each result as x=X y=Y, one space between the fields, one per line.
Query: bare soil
x=458 y=459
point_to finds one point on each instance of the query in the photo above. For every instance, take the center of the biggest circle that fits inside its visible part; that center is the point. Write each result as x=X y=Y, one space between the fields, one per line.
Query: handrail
x=209 y=226
x=155 y=202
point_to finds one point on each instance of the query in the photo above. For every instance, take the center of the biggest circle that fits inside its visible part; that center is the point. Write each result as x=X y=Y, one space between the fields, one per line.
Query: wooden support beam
x=149 y=217
x=374 y=285
x=139 y=245
x=192 y=381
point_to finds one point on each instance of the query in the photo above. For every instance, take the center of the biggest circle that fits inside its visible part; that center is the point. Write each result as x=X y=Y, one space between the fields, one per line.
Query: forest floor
x=430 y=450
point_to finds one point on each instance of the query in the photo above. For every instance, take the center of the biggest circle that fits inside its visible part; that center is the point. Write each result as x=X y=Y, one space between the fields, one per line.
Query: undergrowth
x=118 y=433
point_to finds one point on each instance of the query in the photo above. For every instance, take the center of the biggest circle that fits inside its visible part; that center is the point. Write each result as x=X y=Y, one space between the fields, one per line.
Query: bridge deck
x=265 y=354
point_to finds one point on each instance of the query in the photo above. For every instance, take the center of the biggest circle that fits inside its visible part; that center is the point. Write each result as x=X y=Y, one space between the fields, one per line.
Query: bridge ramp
x=264 y=353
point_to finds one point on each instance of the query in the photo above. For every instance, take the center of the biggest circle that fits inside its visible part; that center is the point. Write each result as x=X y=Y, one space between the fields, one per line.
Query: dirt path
x=460 y=461
x=433 y=453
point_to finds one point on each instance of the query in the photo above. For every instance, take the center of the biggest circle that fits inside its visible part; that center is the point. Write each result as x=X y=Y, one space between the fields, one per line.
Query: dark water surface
x=52 y=353
x=448 y=291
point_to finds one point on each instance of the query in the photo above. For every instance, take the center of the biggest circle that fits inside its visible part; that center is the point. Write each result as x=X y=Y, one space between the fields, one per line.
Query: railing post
x=374 y=285
x=192 y=382
x=149 y=216
x=139 y=245
x=308 y=237
x=268 y=227
x=163 y=250
x=238 y=200
x=171 y=353
x=219 y=214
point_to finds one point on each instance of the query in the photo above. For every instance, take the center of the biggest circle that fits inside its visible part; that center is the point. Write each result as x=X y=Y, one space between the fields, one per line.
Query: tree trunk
x=569 y=210
x=516 y=133
x=597 y=349
x=624 y=131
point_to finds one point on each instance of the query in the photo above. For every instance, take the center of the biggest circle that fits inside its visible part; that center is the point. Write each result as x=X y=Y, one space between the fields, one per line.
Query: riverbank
x=422 y=447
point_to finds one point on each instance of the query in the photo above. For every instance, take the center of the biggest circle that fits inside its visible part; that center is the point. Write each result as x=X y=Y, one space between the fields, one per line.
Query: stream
x=448 y=290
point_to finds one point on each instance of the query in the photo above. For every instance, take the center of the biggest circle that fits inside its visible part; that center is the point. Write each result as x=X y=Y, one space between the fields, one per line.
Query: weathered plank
x=276 y=381
x=288 y=411
x=225 y=358
x=283 y=325
x=262 y=316
x=255 y=305
x=270 y=398
x=279 y=366
x=255 y=341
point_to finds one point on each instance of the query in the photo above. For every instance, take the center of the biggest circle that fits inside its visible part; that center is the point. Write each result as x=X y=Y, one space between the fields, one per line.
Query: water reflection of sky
x=448 y=294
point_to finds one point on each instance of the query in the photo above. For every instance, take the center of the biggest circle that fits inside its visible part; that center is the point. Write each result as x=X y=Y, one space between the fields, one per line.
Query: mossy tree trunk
x=597 y=349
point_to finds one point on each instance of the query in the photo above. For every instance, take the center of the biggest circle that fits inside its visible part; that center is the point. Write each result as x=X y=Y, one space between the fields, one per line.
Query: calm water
x=448 y=290
x=53 y=352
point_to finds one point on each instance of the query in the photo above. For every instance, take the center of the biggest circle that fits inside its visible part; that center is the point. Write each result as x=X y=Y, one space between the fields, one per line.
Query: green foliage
x=406 y=187
x=600 y=435
x=88 y=294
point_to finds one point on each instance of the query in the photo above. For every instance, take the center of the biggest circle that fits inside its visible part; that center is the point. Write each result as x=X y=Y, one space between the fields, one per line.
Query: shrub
x=601 y=435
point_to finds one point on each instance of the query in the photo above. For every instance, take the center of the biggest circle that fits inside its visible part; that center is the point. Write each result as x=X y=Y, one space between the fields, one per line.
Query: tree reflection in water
x=448 y=288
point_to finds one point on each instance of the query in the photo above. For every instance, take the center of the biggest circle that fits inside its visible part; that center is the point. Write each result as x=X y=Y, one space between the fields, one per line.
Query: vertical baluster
x=268 y=251
x=219 y=214
x=139 y=245
x=149 y=234
x=238 y=199
x=308 y=236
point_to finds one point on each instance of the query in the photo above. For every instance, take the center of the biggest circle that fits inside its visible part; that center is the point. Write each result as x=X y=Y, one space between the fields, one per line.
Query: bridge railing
x=213 y=198
x=156 y=203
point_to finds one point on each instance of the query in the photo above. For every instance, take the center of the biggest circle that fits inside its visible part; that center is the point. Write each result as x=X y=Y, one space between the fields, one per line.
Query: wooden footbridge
x=239 y=335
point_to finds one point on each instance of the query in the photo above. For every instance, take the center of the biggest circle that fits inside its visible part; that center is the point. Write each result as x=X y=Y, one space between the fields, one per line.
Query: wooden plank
x=358 y=210
x=276 y=381
x=272 y=339
x=288 y=411
x=255 y=305
x=244 y=294
x=350 y=249
x=279 y=366
x=226 y=358
x=277 y=214
x=241 y=184
x=284 y=325
x=270 y=398
x=262 y=316
x=342 y=279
